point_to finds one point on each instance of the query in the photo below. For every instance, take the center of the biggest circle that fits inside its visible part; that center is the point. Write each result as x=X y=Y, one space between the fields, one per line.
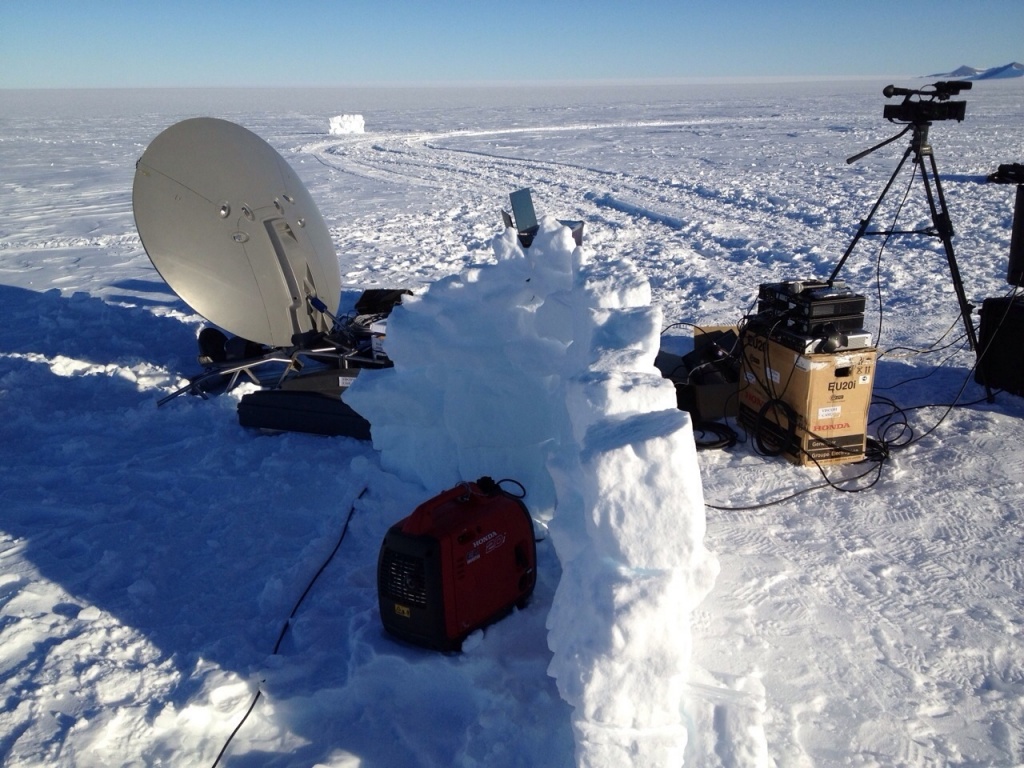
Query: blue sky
x=138 y=43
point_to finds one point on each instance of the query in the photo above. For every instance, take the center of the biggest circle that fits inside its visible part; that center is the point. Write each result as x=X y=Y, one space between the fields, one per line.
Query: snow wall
x=540 y=367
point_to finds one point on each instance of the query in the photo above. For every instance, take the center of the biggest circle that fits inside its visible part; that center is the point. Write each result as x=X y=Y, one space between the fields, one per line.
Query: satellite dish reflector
x=229 y=226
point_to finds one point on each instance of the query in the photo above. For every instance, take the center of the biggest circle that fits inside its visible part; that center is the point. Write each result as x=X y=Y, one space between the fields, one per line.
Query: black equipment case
x=295 y=410
x=1001 y=344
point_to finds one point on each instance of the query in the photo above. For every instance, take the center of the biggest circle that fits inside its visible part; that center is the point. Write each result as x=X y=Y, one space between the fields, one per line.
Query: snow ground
x=149 y=556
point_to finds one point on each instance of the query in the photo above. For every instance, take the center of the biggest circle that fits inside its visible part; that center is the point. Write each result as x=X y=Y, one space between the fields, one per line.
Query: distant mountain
x=993 y=73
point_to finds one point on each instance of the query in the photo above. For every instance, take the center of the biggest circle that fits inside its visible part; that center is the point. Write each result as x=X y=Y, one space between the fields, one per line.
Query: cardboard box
x=812 y=408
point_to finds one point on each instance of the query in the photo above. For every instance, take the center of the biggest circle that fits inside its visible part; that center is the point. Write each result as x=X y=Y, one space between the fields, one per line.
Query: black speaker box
x=1001 y=344
x=1015 y=271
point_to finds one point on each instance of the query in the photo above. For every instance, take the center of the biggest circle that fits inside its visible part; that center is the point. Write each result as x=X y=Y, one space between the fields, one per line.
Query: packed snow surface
x=150 y=557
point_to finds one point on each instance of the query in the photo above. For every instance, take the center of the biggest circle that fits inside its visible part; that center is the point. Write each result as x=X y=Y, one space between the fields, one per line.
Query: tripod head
x=931 y=103
x=918 y=110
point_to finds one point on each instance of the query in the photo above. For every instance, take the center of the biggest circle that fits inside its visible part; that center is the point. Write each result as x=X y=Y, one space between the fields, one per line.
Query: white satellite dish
x=234 y=232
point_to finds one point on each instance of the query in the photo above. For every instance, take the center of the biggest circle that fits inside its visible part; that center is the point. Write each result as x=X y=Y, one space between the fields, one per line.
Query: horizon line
x=554 y=83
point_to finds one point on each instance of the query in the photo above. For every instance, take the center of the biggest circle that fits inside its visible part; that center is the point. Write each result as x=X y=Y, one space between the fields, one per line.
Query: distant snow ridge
x=344 y=124
x=1007 y=70
x=1013 y=69
x=540 y=367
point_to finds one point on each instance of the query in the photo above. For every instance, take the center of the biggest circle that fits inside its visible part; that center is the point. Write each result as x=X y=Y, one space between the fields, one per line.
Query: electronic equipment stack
x=807 y=373
x=811 y=316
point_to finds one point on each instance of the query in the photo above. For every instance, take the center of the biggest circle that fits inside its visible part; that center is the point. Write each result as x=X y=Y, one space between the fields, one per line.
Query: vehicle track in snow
x=601 y=194
x=704 y=211
x=699 y=230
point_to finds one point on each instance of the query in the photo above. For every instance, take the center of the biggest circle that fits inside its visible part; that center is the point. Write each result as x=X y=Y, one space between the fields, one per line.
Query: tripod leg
x=865 y=223
x=944 y=227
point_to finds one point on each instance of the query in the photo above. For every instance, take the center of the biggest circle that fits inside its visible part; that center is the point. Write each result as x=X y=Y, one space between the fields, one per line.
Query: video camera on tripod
x=932 y=103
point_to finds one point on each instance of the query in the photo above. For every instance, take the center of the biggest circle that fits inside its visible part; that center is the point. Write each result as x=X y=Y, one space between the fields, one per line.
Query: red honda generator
x=460 y=561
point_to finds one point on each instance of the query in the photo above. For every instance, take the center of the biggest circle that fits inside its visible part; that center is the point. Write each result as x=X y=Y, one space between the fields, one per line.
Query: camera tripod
x=942 y=226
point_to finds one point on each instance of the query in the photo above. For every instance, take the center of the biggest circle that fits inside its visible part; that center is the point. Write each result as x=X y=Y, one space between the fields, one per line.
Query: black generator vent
x=404 y=578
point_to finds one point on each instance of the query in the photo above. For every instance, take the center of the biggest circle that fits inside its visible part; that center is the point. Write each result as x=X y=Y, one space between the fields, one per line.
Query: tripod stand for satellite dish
x=942 y=226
